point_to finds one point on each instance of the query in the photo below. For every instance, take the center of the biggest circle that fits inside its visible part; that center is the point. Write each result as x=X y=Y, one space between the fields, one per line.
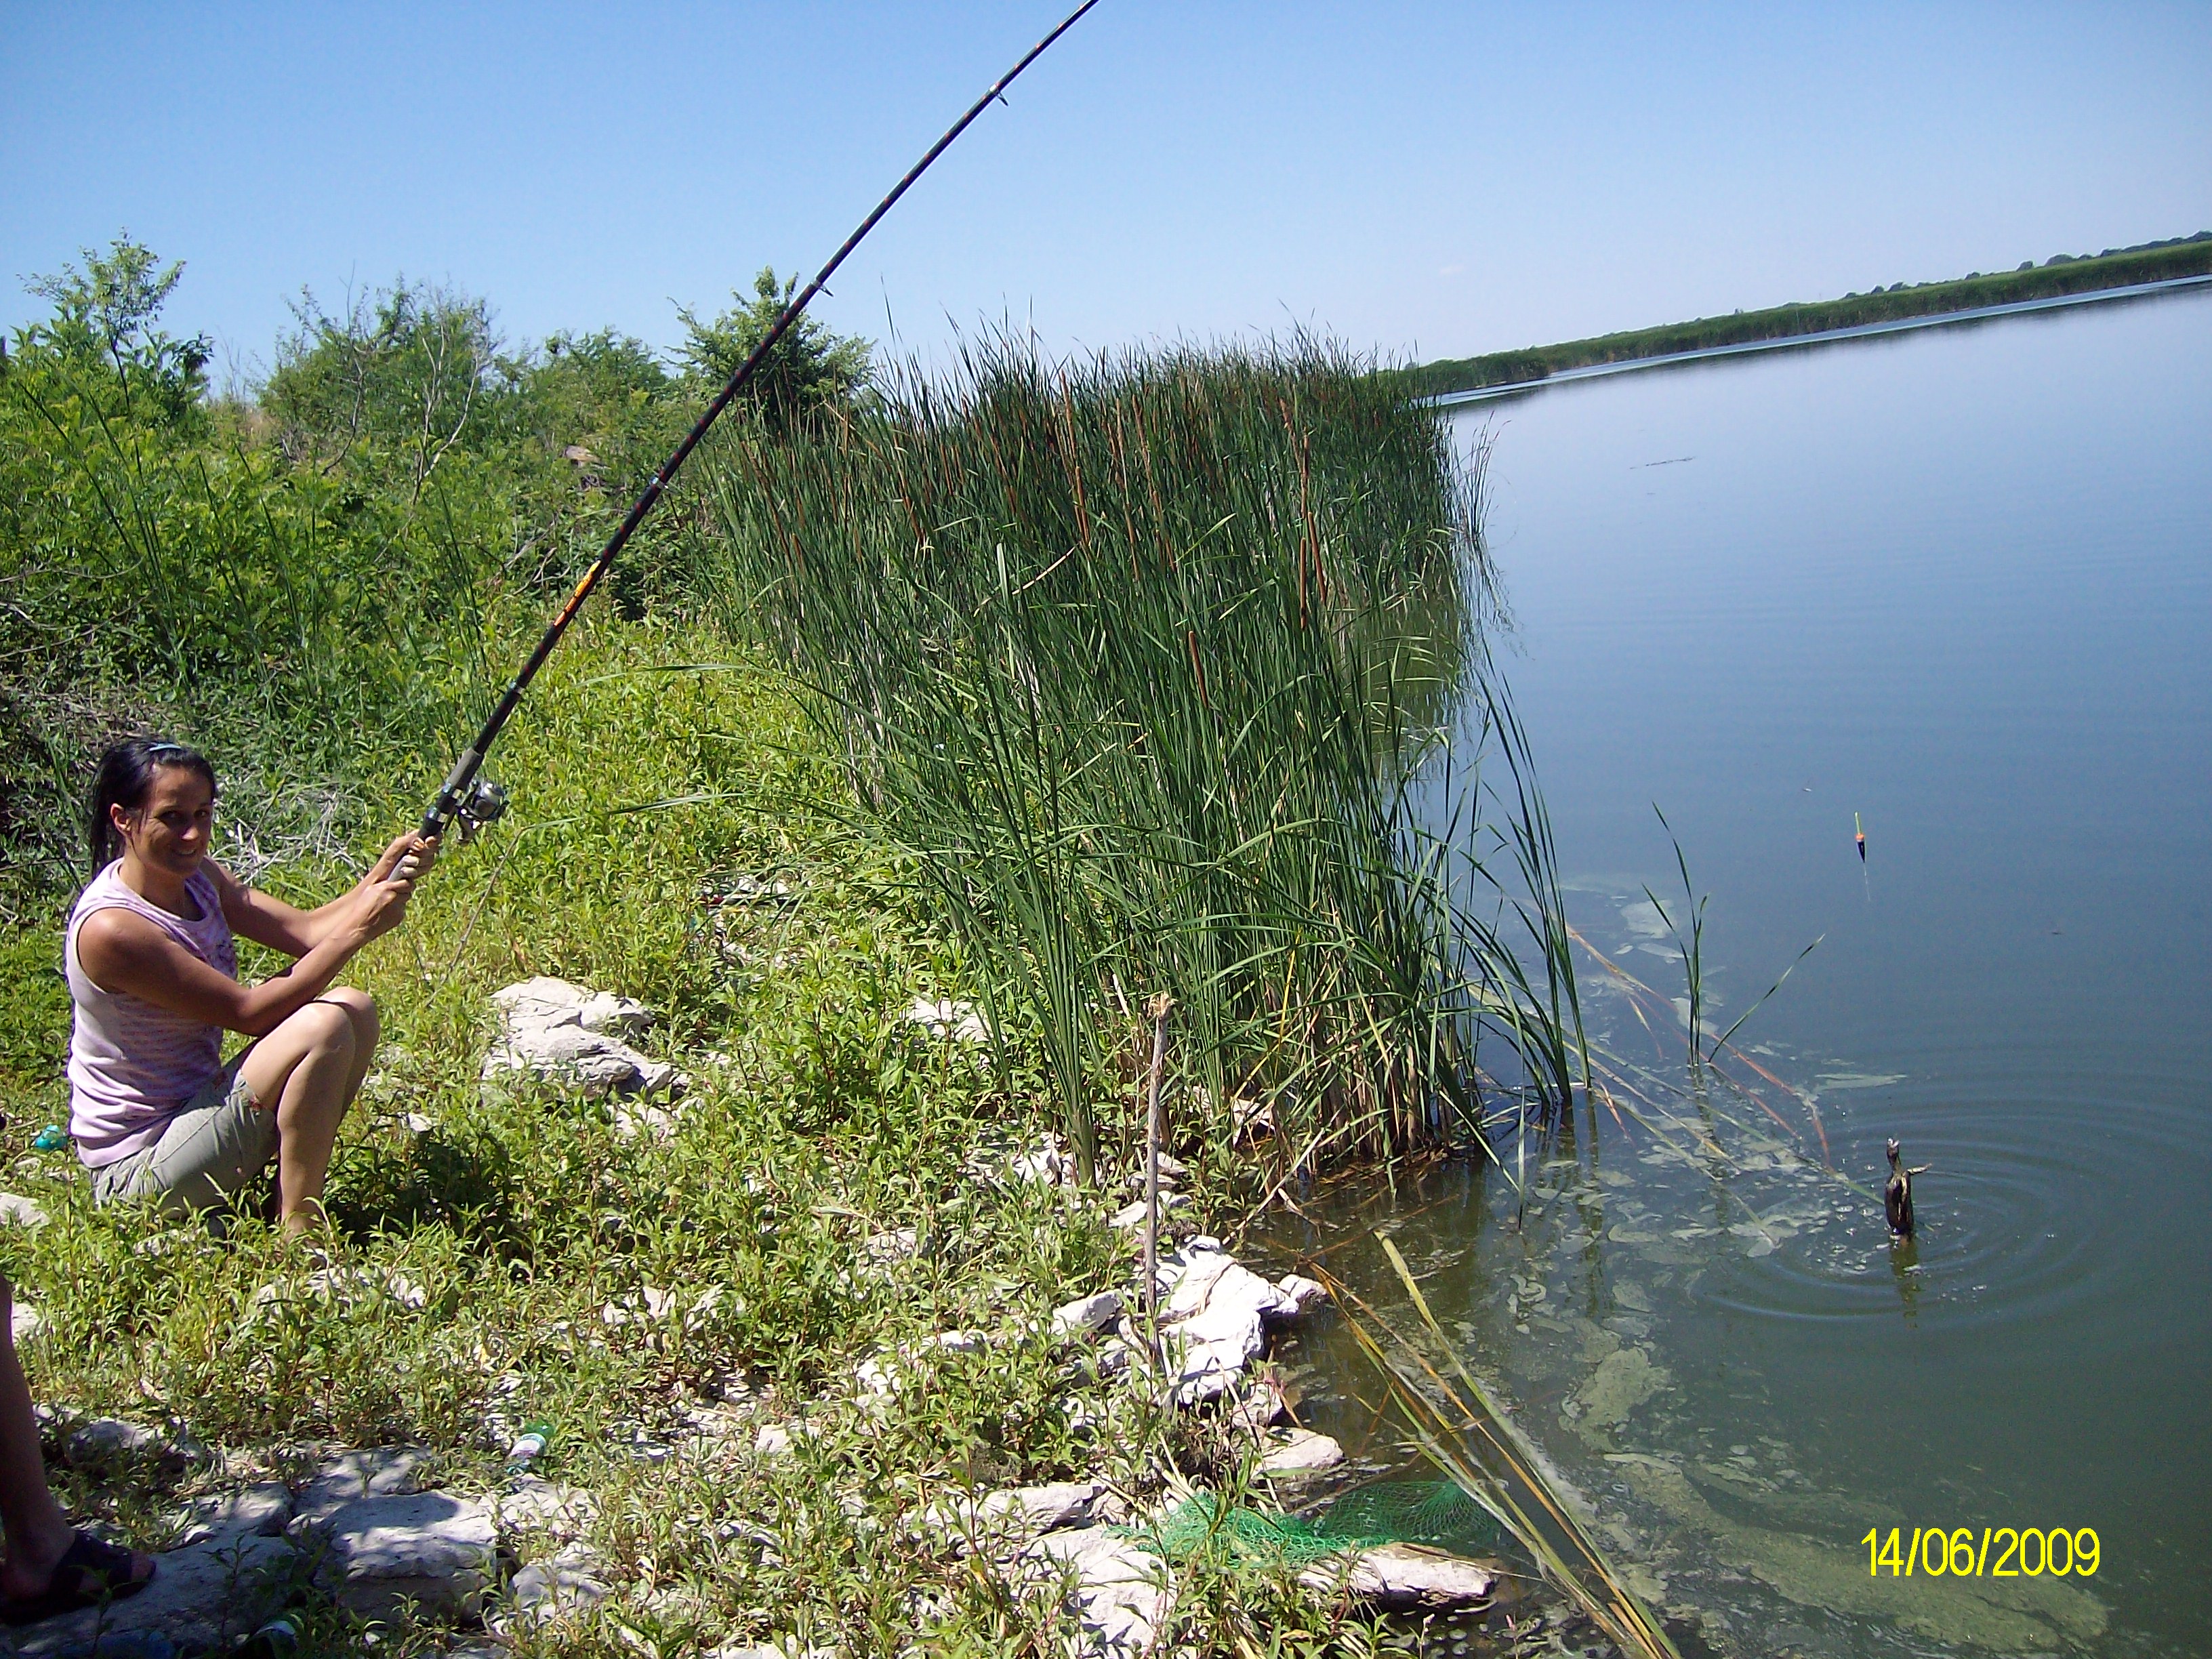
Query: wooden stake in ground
x=1157 y=1008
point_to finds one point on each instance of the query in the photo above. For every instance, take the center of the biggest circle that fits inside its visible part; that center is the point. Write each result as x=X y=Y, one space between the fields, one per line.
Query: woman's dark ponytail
x=126 y=774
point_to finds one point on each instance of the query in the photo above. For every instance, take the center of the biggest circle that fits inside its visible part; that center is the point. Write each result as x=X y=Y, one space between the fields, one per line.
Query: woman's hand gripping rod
x=474 y=801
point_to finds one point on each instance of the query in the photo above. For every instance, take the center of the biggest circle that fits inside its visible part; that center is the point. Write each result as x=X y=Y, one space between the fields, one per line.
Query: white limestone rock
x=203 y=1596
x=613 y=1016
x=884 y=1250
x=347 y=1286
x=17 y=1210
x=1120 y=1592
x=1213 y=1315
x=714 y=1429
x=1172 y=1171
x=1004 y=1523
x=1302 y=1292
x=776 y=1439
x=262 y=1510
x=1048 y=1163
x=568 y=1033
x=430 y=1549
x=878 y=1374
x=1256 y=1404
x=944 y=1017
x=1404 y=1579
x=1210 y=1350
x=374 y=1471
x=1292 y=1454
x=1130 y=1217
x=105 y=1438
x=560 y=1587
x=884 y=1371
x=634 y=1118
x=1044 y=1162
x=110 y=1437
x=532 y=1505
x=649 y=1304
x=594 y=1065
x=547 y=1001
x=1087 y=1314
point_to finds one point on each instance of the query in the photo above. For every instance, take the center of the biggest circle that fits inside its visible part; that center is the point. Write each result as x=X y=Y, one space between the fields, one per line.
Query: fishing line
x=465 y=796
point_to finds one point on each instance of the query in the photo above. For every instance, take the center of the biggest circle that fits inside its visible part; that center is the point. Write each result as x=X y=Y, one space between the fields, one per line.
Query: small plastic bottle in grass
x=52 y=1138
x=530 y=1445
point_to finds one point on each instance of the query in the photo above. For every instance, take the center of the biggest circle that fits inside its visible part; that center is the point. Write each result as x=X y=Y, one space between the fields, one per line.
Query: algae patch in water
x=1624 y=1380
x=2005 y=1615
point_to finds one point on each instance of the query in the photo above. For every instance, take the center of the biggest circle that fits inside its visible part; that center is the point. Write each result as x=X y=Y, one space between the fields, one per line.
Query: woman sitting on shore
x=153 y=973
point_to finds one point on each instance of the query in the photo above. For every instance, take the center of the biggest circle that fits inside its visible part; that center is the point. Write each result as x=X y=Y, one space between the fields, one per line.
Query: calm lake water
x=1958 y=584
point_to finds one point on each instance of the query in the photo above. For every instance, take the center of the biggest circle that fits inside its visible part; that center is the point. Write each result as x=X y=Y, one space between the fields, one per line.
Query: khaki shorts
x=216 y=1143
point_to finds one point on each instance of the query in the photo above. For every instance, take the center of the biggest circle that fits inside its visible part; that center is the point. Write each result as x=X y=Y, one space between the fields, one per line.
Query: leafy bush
x=322 y=583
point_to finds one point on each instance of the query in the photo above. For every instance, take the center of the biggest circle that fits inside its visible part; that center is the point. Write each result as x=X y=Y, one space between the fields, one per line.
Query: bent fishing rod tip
x=452 y=801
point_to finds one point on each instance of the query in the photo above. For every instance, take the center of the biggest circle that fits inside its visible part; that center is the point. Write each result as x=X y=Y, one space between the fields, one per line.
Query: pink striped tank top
x=132 y=1066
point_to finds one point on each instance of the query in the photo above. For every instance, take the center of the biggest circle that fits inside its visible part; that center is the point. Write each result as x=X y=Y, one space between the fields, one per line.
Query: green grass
x=38 y=1003
x=2062 y=275
x=521 y=1220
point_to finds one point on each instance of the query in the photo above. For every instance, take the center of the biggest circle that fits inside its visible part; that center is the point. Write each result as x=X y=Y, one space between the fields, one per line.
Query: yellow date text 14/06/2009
x=1994 y=1552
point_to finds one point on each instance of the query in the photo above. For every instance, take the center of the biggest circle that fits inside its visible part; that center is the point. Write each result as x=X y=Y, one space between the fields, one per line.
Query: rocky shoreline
x=402 y=1537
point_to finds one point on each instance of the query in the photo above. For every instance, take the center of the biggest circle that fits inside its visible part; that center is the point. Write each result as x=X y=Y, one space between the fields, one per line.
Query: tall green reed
x=1692 y=948
x=1146 y=660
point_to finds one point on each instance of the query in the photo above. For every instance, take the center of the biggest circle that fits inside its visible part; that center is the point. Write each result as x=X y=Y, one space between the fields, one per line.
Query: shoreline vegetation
x=1142 y=661
x=935 y=726
x=2060 y=275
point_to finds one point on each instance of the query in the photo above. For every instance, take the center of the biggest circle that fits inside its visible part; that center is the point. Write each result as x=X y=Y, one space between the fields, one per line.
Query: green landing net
x=1432 y=1512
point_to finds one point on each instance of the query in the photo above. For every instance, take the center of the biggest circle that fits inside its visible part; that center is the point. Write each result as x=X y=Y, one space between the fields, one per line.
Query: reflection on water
x=1959 y=585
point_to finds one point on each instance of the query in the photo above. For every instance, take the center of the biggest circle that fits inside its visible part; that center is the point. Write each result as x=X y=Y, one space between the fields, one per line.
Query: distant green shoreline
x=2062 y=274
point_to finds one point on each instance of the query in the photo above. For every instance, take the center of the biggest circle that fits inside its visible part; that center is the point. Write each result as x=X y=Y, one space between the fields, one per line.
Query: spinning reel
x=485 y=805
x=478 y=803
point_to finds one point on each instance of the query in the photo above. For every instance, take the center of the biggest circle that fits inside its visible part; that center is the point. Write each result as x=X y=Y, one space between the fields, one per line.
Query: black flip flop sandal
x=91 y=1570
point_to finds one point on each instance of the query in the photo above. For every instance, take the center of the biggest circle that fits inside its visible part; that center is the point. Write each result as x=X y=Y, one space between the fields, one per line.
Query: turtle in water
x=1897 y=1195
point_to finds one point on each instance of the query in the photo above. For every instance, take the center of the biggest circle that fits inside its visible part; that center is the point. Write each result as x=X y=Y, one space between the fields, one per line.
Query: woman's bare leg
x=307 y=1072
x=361 y=1009
x=38 y=1532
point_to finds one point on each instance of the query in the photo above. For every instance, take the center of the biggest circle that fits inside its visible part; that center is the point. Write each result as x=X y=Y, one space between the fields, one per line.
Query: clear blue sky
x=1439 y=179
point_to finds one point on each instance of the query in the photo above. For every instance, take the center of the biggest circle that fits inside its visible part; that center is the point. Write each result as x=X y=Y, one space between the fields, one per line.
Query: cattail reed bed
x=1146 y=661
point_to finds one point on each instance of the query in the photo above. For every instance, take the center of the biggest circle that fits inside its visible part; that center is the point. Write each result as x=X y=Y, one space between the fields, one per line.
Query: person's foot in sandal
x=87 y=1571
x=47 y=1566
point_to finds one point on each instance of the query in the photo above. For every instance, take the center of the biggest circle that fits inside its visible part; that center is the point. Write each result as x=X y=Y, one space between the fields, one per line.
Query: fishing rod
x=476 y=800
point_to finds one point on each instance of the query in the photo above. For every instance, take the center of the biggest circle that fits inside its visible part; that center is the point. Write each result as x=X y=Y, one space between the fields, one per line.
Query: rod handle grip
x=451 y=794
